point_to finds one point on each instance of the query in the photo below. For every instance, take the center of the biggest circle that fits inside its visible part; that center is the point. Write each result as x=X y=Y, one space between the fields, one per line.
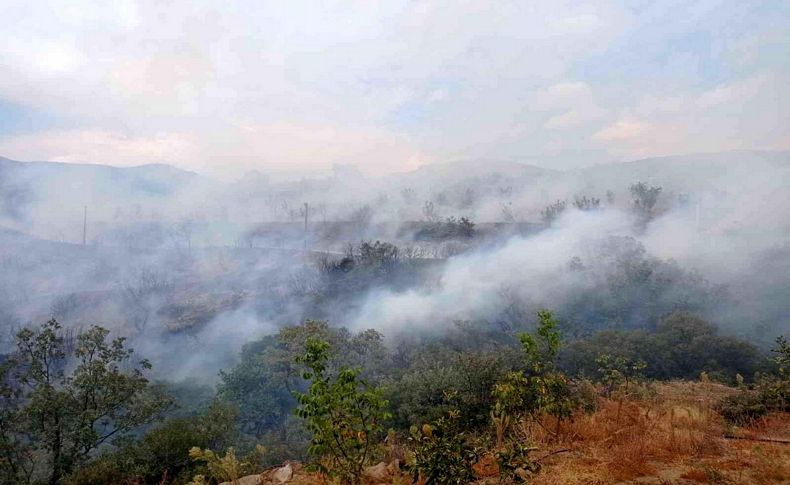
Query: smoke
x=190 y=269
x=472 y=285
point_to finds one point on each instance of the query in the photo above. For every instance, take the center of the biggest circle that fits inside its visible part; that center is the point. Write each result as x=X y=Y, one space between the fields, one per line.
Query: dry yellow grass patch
x=674 y=435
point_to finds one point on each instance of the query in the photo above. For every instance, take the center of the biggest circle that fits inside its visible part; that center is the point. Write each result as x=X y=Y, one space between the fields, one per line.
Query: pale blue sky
x=223 y=87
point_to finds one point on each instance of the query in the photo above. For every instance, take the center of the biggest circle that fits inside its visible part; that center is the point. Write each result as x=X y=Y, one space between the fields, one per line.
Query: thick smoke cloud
x=190 y=269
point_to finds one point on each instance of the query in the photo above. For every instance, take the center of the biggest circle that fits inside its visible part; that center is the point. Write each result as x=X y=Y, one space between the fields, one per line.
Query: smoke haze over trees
x=394 y=242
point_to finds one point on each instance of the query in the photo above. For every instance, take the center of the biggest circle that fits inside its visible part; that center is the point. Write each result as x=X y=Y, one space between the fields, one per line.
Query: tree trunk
x=55 y=449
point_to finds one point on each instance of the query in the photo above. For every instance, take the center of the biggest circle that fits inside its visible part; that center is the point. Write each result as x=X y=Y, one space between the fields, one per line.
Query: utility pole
x=696 y=217
x=85 y=226
x=306 y=210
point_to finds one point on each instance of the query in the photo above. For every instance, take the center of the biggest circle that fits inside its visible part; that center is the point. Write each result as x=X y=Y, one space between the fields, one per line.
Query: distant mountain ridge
x=688 y=172
x=155 y=179
x=53 y=186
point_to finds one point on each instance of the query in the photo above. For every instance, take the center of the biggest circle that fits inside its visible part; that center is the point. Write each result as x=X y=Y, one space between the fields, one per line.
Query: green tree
x=342 y=412
x=262 y=384
x=782 y=359
x=553 y=211
x=541 y=389
x=644 y=198
x=164 y=450
x=16 y=463
x=584 y=203
x=68 y=415
x=619 y=374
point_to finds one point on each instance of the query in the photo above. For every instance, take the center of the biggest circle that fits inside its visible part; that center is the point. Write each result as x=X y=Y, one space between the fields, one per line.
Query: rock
x=394 y=468
x=283 y=474
x=378 y=473
x=248 y=480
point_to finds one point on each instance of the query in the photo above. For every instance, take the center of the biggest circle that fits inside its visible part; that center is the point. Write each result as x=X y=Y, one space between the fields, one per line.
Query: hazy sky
x=226 y=86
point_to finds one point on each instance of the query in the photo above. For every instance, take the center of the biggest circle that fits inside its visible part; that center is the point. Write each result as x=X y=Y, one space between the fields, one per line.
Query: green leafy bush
x=541 y=388
x=163 y=450
x=742 y=408
x=681 y=347
x=440 y=452
x=515 y=463
x=343 y=414
x=69 y=400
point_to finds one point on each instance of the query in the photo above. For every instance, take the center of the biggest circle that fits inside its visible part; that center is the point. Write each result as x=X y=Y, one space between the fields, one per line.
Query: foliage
x=429 y=211
x=262 y=384
x=541 y=389
x=552 y=211
x=450 y=228
x=68 y=415
x=515 y=463
x=681 y=347
x=16 y=451
x=782 y=359
x=343 y=414
x=440 y=452
x=742 y=408
x=380 y=256
x=419 y=393
x=362 y=216
x=163 y=450
x=619 y=285
x=541 y=350
x=771 y=393
x=644 y=198
x=226 y=468
x=585 y=203
x=619 y=372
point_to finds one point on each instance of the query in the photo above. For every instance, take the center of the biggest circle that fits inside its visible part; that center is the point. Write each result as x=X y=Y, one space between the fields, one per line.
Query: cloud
x=432 y=79
x=99 y=146
x=273 y=146
x=744 y=114
x=626 y=129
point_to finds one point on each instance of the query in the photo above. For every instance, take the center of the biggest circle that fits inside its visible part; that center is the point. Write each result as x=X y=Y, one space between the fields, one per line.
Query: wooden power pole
x=85 y=226
x=306 y=210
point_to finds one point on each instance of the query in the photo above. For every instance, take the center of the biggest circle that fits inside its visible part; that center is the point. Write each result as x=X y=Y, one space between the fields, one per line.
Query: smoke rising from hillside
x=191 y=269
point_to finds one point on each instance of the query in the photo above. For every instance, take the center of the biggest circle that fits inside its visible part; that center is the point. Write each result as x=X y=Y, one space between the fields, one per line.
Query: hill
x=53 y=187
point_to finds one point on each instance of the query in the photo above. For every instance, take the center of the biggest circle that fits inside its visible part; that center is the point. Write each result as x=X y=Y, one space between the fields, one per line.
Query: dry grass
x=673 y=436
x=670 y=435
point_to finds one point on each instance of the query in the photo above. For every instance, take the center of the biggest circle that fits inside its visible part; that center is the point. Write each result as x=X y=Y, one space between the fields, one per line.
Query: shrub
x=515 y=463
x=440 y=453
x=162 y=451
x=742 y=408
x=226 y=468
x=433 y=373
x=681 y=347
x=772 y=392
x=342 y=413
x=553 y=211
x=261 y=385
x=542 y=388
x=74 y=398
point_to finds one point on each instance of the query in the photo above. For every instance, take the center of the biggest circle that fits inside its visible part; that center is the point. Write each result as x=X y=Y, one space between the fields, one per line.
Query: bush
x=682 y=347
x=70 y=400
x=742 y=408
x=261 y=384
x=342 y=413
x=541 y=388
x=772 y=392
x=226 y=468
x=162 y=451
x=440 y=453
x=420 y=394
